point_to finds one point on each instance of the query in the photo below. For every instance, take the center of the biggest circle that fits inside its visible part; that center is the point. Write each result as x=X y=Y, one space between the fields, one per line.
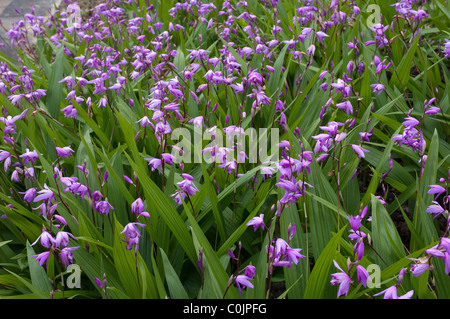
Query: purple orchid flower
x=342 y=279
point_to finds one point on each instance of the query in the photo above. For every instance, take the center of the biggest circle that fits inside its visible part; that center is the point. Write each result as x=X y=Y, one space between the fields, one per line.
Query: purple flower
x=29 y=156
x=257 y=222
x=362 y=275
x=116 y=87
x=198 y=54
x=447 y=262
x=66 y=255
x=5 y=156
x=29 y=194
x=103 y=207
x=342 y=279
x=250 y=271
x=284 y=144
x=260 y=98
x=243 y=281
x=355 y=222
x=267 y=170
x=163 y=128
x=391 y=293
x=168 y=158
x=154 y=163
x=137 y=207
x=145 y=122
x=435 y=209
x=431 y=110
x=46 y=239
x=231 y=254
x=70 y=112
x=178 y=197
x=60 y=219
x=293 y=254
x=79 y=189
x=410 y=121
x=187 y=185
x=359 y=150
x=197 y=121
x=377 y=88
x=283 y=255
x=127 y=179
x=291 y=231
x=15 y=99
x=419 y=268
x=62 y=239
x=436 y=189
x=364 y=136
x=98 y=282
x=446 y=50
x=346 y=106
x=102 y=102
x=64 y=151
x=359 y=246
x=321 y=35
x=42 y=258
x=410 y=136
x=132 y=235
x=200 y=259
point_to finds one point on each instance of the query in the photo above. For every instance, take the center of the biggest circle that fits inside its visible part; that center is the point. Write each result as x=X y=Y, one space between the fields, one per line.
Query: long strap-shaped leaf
x=320 y=275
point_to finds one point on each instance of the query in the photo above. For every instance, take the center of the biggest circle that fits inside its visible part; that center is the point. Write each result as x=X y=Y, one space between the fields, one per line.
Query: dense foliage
x=227 y=149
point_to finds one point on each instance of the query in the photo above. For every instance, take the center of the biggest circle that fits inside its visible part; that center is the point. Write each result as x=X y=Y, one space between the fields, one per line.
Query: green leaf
x=443 y=9
x=316 y=288
x=230 y=189
x=174 y=284
x=385 y=237
x=401 y=74
x=37 y=273
x=300 y=272
x=275 y=77
x=5 y=243
x=294 y=121
x=37 y=293
x=241 y=229
x=210 y=258
x=54 y=89
x=214 y=203
x=423 y=221
x=93 y=266
x=92 y=124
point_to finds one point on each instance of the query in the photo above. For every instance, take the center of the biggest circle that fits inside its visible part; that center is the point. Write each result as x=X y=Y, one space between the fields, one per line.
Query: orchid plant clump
x=223 y=149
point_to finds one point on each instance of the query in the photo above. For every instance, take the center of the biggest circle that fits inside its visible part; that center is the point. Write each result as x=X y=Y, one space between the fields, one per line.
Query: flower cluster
x=187 y=187
x=437 y=190
x=411 y=136
x=132 y=235
x=442 y=249
x=279 y=252
x=58 y=245
x=342 y=277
